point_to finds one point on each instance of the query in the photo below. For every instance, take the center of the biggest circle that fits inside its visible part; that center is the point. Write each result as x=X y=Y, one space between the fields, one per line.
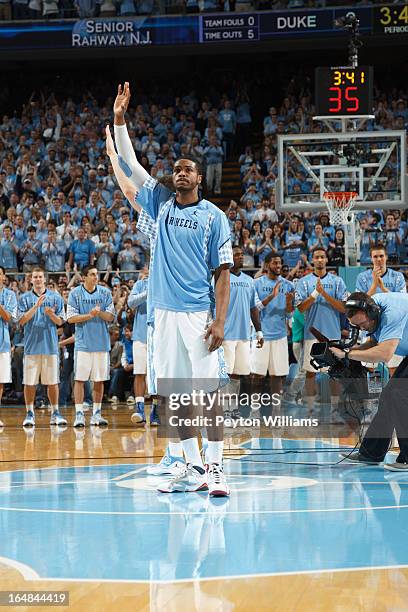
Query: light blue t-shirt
x=321 y=314
x=137 y=301
x=9 y=302
x=242 y=299
x=91 y=336
x=393 y=281
x=273 y=316
x=393 y=320
x=40 y=333
x=188 y=242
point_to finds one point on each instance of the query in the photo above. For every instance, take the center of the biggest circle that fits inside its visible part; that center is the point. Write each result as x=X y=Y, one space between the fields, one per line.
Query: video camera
x=352 y=375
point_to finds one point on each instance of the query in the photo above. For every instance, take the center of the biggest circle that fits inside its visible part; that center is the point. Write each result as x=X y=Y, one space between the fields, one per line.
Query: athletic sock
x=192 y=452
x=79 y=408
x=175 y=449
x=214 y=452
x=140 y=400
x=30 y=407
x=54 y=408
x=96 y=406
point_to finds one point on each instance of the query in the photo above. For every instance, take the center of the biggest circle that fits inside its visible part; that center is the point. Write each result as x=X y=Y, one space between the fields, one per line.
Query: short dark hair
x=31 y=228
x=3 y=269
x=319 y=248
x=378 y=247
x=85 y=270
x=194 y=160
x=271 y=256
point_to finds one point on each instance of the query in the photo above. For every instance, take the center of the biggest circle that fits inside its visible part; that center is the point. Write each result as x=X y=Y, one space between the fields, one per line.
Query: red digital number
x=352 y=109
x=337 y=99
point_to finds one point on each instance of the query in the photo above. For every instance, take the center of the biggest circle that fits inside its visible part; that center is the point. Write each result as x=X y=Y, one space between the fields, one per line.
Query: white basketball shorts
x=273 y=357
x=237 y=355
x=44 y=368
x=91 y=366
x=5 y=368
x=139 y=357
x=178 y=357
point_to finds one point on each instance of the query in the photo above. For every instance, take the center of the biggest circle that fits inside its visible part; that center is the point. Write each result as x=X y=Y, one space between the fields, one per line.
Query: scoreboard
x=344 y=91
x=219 y=28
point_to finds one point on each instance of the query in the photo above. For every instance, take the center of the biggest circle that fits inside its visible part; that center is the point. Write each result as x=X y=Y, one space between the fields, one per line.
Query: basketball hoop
x=340 y=204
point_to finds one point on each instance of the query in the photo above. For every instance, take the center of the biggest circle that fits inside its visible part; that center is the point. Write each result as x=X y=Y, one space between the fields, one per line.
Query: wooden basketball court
x=78 y=514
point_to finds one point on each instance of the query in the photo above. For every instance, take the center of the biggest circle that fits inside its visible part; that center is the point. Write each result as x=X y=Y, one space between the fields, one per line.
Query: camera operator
x=381 y=280
x=385 y=317
x=320 y=295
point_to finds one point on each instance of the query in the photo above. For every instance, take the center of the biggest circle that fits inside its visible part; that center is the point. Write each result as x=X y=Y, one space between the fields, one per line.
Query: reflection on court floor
x=293 y=508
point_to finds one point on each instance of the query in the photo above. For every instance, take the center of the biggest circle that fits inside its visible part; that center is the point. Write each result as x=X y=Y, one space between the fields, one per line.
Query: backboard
x=371 y=163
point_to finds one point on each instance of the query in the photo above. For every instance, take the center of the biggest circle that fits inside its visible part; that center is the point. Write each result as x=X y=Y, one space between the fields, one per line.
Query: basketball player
x=91 y=309
x=385 y=317
x=275 y=294
x=320 y=296
x=40 y=312
x=242 y=310
x=137 y=301
x=192 y=238
x=381 y=279
x=8 y=312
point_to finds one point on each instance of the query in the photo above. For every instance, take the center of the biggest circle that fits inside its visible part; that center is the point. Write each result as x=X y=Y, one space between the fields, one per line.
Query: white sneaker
x=217 y=483
x=97 y=419
x=188 y=480
x=86 y=406
x=131 y=400
x=113 y=399
x=168 y=466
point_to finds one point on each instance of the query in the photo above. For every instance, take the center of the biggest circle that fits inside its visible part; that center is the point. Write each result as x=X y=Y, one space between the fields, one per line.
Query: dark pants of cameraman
x=392 y=414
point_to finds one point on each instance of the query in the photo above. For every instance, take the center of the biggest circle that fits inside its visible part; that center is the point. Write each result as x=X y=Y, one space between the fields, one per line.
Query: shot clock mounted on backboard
x=344 y=91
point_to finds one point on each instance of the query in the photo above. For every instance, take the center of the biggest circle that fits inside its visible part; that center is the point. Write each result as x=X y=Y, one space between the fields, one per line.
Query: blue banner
x=197 y=29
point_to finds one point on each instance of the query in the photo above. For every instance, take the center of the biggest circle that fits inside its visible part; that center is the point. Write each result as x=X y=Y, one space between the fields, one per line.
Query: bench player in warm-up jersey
x=242 y=310
x=40 y=311
x=8 y=312
x=137 y=301
x=275 y=296
x=320 y=296
x=91 y=308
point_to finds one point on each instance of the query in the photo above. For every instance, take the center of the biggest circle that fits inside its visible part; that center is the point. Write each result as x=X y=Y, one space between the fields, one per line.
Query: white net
x=340 y=205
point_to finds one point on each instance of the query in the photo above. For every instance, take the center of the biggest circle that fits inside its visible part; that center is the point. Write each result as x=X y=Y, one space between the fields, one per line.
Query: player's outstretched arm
x=136 y=172
x=126 y=185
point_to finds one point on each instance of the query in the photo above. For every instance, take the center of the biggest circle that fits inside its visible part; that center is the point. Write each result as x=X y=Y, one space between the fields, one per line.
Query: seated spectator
x=82 y=251
x=104 y=252
x=30 y=251
x=292 y=244
x=128 y=261
x=213 y=155
x=336 y=252
x=248 y=248
x=318 y=239
x=53 y=252
x=8 y=251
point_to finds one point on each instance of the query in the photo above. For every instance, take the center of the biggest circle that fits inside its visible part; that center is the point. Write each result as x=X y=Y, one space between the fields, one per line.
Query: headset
x=368 y=305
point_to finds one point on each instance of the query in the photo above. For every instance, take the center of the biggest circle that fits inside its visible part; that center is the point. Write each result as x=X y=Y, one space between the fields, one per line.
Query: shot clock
x=344 y=91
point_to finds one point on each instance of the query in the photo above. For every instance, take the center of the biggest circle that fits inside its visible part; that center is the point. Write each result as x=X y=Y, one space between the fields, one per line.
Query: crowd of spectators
x=60 y=206
x=68 y=9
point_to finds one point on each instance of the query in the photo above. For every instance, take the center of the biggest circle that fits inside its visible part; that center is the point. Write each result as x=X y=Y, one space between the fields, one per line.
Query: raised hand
x=110 y=147
x=122 y=100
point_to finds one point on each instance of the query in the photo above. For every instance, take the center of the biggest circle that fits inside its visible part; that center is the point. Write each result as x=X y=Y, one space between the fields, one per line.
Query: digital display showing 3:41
x=344 y=91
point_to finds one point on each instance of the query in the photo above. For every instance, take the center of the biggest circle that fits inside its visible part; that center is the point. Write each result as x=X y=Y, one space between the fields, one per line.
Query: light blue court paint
x=109 y=523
